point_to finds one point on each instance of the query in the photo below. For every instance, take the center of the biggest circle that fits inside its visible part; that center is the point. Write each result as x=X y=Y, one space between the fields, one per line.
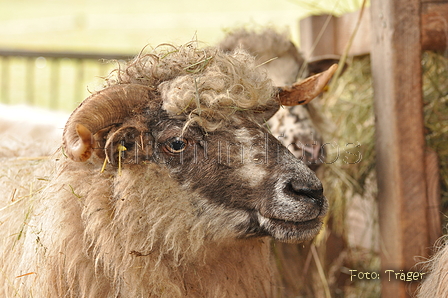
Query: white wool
x=68 y=230
x=85 y=230
x=29 y=131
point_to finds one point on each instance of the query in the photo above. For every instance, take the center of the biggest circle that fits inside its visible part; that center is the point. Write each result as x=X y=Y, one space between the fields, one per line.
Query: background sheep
x=167 y=186
x=29 y=131
x=299 y=127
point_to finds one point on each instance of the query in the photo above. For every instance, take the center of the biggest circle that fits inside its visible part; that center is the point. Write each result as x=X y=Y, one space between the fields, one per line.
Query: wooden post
x=400 y=143
x=317 y=37
x=434 y=24
x=433 y=196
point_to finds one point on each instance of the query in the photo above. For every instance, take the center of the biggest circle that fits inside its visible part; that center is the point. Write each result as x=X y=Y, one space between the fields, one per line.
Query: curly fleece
x=206 y=86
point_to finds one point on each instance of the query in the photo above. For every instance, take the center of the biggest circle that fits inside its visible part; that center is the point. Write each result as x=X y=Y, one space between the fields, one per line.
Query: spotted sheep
x=298 y=127
x=167 y=184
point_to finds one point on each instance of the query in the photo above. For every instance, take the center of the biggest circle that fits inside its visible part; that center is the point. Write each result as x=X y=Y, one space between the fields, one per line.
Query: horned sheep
x=166 y=185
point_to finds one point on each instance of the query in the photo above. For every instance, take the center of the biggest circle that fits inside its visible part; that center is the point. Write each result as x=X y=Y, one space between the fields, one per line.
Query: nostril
x=314 y=194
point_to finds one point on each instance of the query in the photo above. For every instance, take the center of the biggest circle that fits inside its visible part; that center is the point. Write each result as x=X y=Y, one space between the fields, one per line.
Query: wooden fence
x=394 y=33
x=55 y=80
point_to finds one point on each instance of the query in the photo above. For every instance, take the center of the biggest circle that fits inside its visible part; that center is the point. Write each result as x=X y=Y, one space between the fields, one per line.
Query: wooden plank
x=317 y=36
x=66 y=54
x=335 y=36
x=400 y=143
x=433 y=195
x=435 y=26
x=345 y=26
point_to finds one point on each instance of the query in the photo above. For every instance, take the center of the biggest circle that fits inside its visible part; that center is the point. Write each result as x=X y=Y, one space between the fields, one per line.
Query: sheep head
x=205 y=126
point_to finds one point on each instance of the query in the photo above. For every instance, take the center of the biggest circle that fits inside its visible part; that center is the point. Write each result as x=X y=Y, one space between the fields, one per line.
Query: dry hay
x=435 y=95
x=350 y=107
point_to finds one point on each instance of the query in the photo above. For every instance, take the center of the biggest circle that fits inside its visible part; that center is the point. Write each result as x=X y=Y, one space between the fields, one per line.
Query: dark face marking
x=241 y=168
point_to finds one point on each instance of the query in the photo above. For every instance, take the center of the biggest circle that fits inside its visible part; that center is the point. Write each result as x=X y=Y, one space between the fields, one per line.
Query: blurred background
x=52 y=52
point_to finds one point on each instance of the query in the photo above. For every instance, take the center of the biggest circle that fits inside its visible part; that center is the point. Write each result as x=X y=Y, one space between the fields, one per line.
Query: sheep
x=167 y=184
x=29 y=131
x=298 y=127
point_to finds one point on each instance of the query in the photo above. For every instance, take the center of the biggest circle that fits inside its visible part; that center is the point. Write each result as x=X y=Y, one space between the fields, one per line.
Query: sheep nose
x=312 y=193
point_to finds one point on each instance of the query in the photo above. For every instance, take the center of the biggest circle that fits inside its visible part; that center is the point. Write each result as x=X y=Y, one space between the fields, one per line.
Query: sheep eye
x=175 y=145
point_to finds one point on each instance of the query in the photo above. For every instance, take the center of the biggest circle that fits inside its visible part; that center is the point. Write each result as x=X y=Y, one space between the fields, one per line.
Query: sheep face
x=248 y=172
x=241 y=168
x=227 y=163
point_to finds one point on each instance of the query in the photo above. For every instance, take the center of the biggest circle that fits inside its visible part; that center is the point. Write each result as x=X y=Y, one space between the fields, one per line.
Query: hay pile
x=435 y=96
x=350 y=107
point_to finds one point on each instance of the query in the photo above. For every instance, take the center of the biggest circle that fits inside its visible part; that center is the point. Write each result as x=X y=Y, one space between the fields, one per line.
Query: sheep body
x=29 y=132
x=435 y=282
x=162 y=224
x=43 y=262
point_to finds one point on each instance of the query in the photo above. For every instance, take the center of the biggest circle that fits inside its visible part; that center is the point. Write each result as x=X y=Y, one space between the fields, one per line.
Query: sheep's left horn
x=305 y=91
x=105 y=108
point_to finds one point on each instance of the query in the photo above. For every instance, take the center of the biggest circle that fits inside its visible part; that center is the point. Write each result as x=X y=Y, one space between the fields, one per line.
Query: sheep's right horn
x=105 y=108
x=305 y=91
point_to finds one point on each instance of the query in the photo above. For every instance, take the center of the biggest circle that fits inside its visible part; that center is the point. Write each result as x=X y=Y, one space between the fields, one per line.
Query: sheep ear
x=83 y=149
x=306 y=90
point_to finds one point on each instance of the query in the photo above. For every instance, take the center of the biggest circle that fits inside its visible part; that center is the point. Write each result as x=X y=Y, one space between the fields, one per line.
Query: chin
x=291 y=231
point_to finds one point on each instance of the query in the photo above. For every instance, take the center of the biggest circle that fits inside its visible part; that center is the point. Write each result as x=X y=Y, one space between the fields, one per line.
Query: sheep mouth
x=306 y=224
x=290 y=231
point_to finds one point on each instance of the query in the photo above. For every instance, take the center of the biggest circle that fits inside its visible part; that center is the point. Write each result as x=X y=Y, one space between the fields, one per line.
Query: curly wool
x=204 y=86
x=435 y=283
x=265 y=45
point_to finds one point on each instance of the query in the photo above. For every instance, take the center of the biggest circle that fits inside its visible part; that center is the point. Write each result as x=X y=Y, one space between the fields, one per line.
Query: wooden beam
x=323 y=35
x=400 y=143
x=434 y=24
x=345 y=26
x=317 y=36
x=433 y=195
